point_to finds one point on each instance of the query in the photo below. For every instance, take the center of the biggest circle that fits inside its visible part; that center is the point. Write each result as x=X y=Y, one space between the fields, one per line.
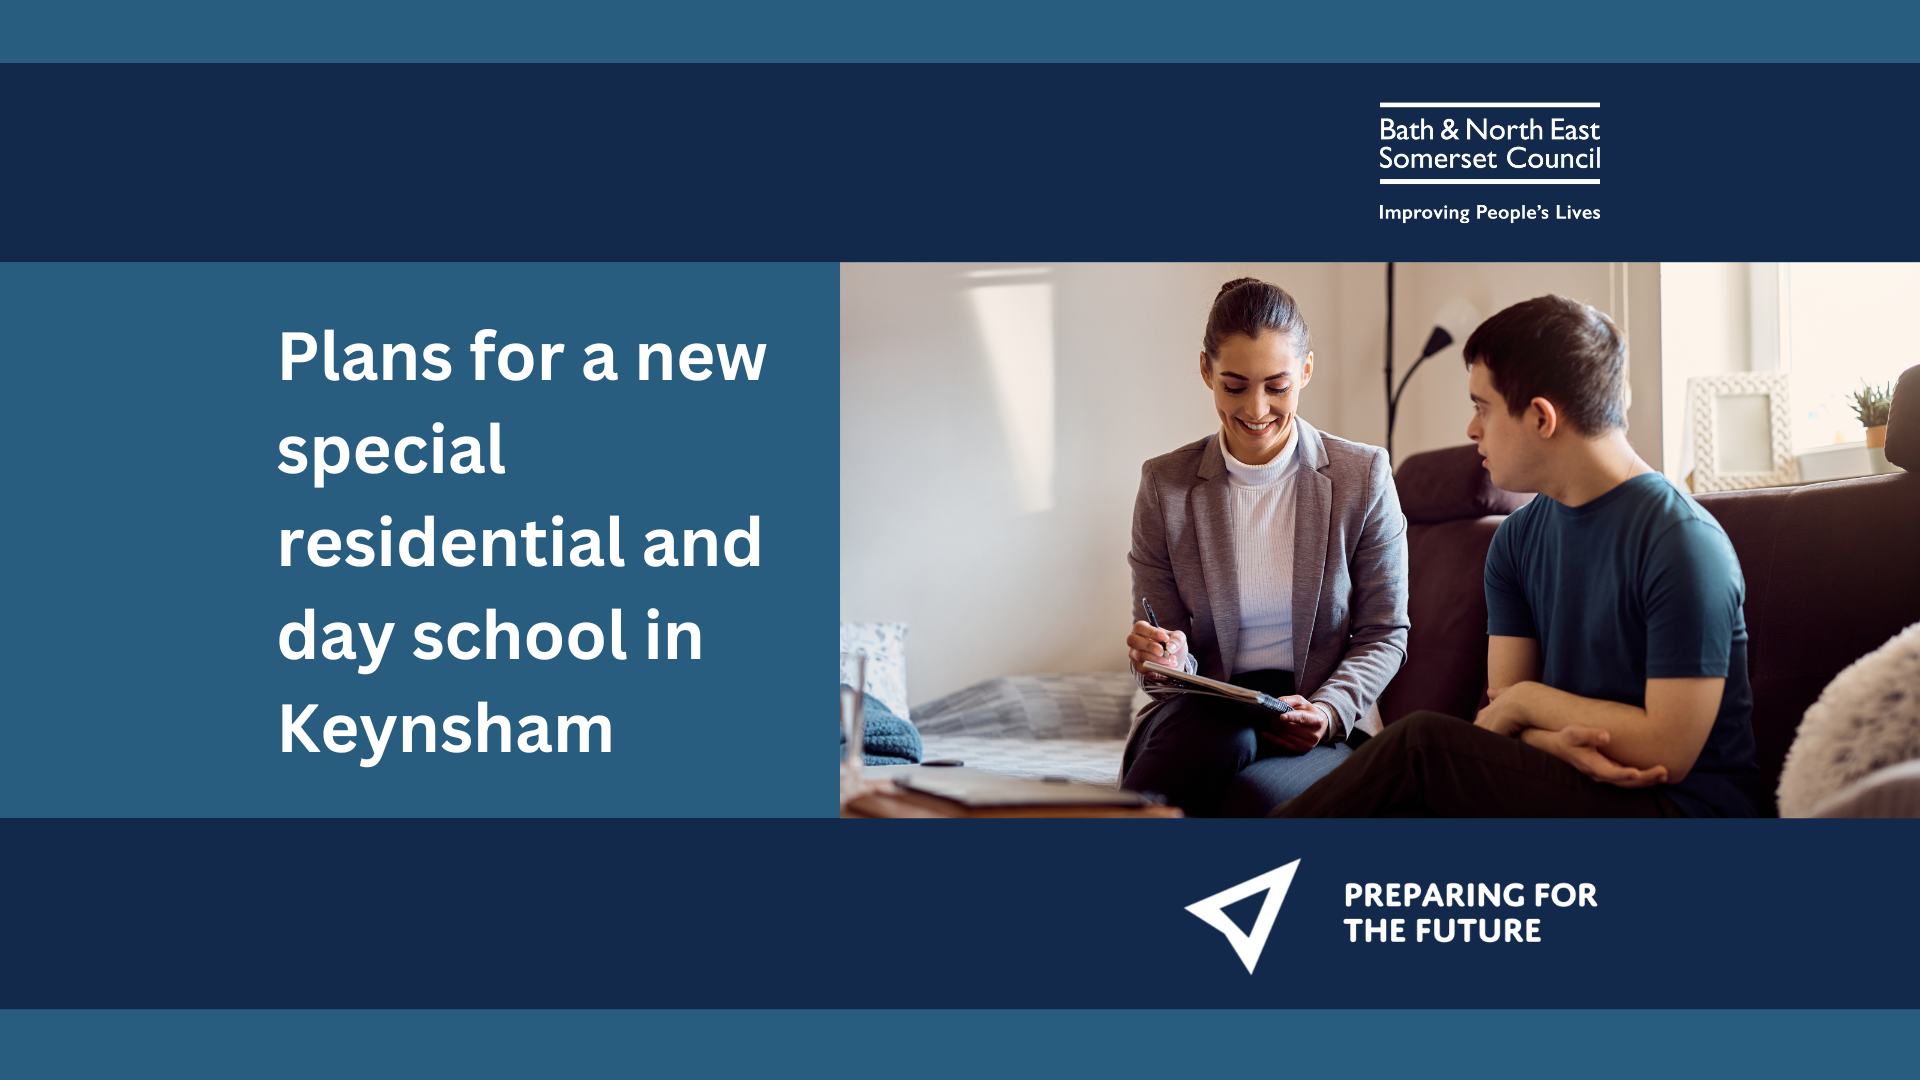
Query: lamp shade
x=1458 y=318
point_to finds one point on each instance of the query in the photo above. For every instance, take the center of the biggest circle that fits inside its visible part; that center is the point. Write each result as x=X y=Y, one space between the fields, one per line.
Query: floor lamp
x=1456 y=311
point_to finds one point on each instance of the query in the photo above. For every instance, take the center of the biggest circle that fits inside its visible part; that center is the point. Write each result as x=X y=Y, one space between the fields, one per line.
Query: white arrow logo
x=1247 y=946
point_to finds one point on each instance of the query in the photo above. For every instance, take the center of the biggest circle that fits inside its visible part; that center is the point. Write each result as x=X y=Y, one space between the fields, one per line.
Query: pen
x=1148 y=604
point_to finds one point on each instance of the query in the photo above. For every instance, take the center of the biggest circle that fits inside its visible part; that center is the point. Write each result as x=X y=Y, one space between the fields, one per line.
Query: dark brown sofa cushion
x=1446 y=668
x=1452 y=511
x=1832 y=572
x=1903 y=426
x=1450 y=485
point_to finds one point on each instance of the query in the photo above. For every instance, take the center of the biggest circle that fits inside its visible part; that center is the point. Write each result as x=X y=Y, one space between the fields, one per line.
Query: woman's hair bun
x=1251 y=307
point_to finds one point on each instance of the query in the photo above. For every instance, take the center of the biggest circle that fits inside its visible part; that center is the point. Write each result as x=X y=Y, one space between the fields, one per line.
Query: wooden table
x=882 y=798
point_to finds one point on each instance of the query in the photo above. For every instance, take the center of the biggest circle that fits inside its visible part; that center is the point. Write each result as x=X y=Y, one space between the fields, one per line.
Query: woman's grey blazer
x=1349 y=566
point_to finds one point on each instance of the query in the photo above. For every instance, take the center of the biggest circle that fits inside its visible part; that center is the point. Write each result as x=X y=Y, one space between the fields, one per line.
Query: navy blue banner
x=752 y=914
x=881 y=162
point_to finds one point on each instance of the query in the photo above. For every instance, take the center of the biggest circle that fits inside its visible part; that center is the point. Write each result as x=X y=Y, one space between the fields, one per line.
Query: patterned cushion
x=886 y=648
x=1094 y=705
x=1867 y=718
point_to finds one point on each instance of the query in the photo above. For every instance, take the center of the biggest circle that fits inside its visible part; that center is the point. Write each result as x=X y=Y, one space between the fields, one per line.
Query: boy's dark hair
x=1561 y=350
x=1251 y=307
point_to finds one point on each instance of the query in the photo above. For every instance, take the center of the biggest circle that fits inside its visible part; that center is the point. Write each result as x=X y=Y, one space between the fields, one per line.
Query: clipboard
x=1200 y=684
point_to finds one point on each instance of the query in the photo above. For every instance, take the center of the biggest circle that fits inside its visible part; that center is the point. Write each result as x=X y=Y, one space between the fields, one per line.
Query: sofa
x=1452 y=512
x=1831 y=573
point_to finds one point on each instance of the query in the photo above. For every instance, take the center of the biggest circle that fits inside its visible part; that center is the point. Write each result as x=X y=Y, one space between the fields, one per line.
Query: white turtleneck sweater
x=1263 y=520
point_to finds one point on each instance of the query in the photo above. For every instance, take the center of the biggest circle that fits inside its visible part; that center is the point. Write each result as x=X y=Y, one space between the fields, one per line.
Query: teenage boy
x=1616 y=650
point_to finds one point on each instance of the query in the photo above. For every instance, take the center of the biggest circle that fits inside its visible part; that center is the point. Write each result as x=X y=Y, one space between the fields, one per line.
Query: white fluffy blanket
x=1867 y=718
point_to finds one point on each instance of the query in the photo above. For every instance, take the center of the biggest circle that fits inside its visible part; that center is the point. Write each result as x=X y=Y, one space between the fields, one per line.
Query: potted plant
x=1873 y=404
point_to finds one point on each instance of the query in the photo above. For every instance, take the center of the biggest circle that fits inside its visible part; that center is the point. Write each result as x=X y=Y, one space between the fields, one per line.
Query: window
x=1843 y=324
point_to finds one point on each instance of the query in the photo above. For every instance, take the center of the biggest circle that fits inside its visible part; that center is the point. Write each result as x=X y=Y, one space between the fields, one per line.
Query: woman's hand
x=1149 y=642
x=1300 y=730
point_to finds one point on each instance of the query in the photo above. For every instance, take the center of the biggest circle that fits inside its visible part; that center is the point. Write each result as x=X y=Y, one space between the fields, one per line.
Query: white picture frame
x=1742 y=431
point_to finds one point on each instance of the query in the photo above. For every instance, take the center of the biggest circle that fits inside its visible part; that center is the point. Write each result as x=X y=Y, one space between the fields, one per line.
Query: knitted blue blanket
x=891 y=740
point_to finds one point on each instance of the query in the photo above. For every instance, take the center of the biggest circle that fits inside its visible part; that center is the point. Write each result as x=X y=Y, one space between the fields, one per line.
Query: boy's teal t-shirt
x=1641 y=583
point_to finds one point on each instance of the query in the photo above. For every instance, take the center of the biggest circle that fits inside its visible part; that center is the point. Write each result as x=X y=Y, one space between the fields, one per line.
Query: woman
x=1275 y=558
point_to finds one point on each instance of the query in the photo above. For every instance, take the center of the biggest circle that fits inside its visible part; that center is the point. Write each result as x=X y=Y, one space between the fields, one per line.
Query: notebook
x=1200 y=684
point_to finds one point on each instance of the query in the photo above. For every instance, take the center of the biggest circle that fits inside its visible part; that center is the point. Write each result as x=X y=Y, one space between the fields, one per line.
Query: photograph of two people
x=1577 y=557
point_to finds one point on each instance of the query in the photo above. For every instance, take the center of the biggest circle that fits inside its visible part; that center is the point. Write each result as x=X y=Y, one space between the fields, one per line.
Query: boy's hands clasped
x=1579 y=746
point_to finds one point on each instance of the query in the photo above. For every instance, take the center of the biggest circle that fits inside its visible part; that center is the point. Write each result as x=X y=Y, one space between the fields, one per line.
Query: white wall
x=1845 y=323
x=1707 y=327
x=1434 y=409
x=932 y=525
x=1828 y=325
x=935 y=524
